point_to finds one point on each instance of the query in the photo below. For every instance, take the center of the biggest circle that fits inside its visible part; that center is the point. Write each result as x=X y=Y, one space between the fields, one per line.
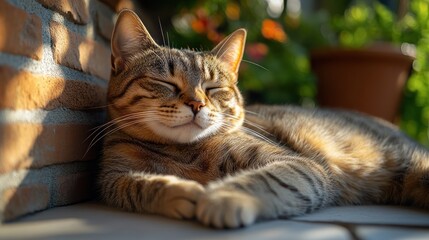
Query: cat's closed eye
x=169 y=85
x=214 y=89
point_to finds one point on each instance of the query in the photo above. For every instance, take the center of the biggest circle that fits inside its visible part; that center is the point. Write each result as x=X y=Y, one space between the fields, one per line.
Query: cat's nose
x=196 y=106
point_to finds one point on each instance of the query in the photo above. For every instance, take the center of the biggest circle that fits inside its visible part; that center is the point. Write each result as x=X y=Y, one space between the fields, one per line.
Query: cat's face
x=169 y=95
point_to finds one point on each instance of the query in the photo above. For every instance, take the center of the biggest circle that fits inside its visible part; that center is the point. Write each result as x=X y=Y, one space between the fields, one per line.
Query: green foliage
x=415 y=107
x=364 y=23
x=286 y=79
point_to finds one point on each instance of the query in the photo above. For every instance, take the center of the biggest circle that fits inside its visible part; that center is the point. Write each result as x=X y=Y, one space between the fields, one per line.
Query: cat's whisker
x=251 y=112
x=260 y=128
x=118 y=118
x=103 y=133
x=253 y=133
x=162 y=31
x=160 y=58
x=96 y=138
x=105 y=126
x=253 y=63
x=256 y=134
x=97 y=107
x=114 y=121
x=255 y=125
x=95 y=141
x=226 y=127
x=230 y=149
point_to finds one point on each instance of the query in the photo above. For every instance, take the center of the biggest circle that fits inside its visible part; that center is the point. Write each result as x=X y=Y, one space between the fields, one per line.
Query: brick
x=27 y=145
x=24 y=90
x=74 y=10
x=20 y=32
x=25 y=199
x=104 y=25
x=118 y=5
x=73 y=188
x=75 y=51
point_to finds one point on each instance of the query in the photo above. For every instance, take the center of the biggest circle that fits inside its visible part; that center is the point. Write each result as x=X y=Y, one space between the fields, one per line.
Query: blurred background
x=282 y=34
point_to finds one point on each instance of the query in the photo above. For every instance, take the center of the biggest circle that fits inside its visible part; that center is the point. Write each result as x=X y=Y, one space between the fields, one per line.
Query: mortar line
x=54 y=116
x=40 y=68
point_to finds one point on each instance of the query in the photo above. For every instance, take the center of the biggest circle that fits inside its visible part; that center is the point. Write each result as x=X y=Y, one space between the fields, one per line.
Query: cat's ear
x=231 y=49
x=128 y=37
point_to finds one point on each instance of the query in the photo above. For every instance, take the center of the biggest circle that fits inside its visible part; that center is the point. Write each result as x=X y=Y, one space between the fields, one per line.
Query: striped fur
x=180 y=143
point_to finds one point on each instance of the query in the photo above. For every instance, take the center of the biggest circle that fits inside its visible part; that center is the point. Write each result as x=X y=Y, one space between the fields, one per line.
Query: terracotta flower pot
x=365 y=80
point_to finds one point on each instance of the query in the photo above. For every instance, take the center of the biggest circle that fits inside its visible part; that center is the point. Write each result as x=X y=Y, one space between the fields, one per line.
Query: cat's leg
x=280 y=189
x=161 y=194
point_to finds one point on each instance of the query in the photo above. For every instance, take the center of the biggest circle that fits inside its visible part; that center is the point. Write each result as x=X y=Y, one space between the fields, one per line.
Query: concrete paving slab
x=380 y=215
x=391 y=233
x=93 y=221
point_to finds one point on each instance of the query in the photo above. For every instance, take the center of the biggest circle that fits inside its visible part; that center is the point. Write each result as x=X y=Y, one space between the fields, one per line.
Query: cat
x=181 y=144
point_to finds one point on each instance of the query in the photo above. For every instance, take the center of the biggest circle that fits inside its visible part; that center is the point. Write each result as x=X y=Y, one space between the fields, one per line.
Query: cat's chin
x=188 y=125
x=186 y=133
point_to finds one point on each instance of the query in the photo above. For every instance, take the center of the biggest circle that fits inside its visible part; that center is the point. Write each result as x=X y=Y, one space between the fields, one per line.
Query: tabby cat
x=180 y=143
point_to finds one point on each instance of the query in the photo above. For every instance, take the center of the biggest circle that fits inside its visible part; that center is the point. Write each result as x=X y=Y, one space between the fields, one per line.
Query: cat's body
x=183 y=146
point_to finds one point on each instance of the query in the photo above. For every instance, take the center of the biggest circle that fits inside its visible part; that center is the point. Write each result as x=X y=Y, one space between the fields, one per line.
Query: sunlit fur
x=229 y=167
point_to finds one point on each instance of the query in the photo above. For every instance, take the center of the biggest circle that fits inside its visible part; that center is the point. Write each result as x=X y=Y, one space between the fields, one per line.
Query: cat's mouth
x=185 y=131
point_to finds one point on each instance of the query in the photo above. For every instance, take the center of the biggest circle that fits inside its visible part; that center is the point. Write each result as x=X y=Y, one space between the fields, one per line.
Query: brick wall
x=54 y=69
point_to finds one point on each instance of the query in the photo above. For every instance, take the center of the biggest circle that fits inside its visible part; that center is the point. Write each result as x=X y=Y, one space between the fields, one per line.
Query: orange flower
x=204 y=24
x=232 y=11
x=198 y=25
x=201 y=22
x=214 y=36
x=273 y=30
x=257 y=51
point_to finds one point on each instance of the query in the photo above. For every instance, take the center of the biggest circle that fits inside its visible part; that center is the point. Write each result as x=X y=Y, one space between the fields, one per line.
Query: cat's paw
x=179 y=199
x=222 y=208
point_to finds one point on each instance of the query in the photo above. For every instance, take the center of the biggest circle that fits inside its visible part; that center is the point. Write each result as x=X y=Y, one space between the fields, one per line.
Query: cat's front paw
x=224 y=208
x=179 y=199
